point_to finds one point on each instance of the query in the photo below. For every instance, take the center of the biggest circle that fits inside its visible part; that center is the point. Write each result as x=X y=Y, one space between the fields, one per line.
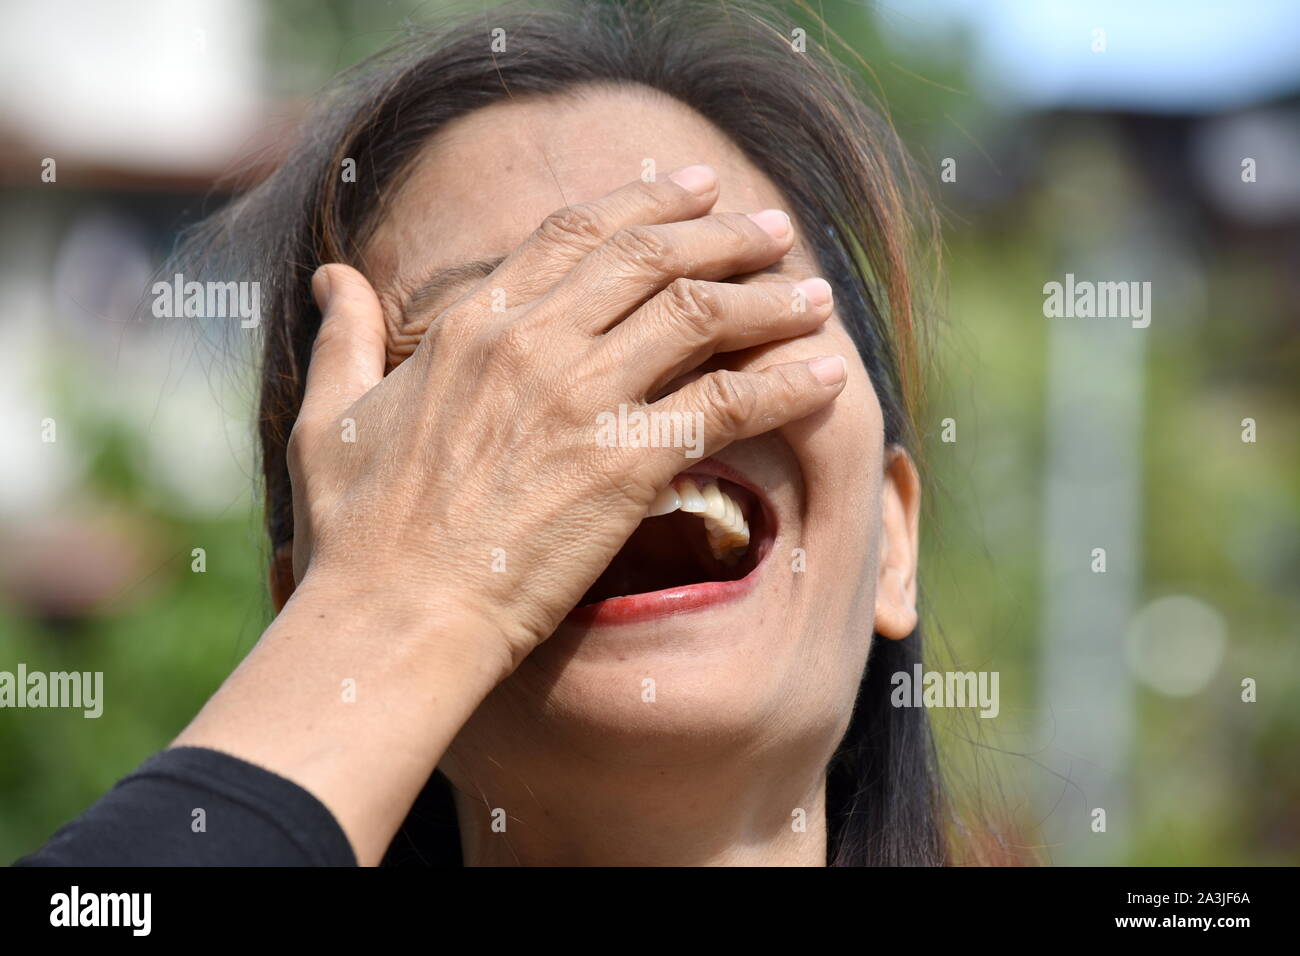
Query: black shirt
x=191 y=806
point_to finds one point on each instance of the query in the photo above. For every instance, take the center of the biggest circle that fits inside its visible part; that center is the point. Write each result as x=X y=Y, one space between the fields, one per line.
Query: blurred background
x=1116 y=141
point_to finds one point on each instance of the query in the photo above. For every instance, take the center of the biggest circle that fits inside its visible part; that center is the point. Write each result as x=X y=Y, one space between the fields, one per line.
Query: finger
x=729 y=406
x=347 y=358
x=569 y=234
x=692 y=320
x=639 y=261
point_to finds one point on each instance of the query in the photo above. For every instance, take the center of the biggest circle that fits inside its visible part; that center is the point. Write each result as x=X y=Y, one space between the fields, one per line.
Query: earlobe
x=281 y=575
x=900 y=512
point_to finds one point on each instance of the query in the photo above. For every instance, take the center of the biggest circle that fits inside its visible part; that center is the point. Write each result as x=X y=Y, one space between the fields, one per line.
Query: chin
x=754 y=678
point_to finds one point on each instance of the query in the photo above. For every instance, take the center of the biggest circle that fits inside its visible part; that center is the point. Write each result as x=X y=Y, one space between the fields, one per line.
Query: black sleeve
x=250 y=817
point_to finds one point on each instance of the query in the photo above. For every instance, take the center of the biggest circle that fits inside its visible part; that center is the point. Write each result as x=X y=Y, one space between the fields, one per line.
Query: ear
x=281 y=575
x=900 y=517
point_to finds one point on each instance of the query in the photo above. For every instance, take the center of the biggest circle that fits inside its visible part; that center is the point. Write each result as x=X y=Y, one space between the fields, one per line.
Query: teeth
x=734 y=518
x=717 y=503
x=666 y=503
x=724 y=522
x=691 y=498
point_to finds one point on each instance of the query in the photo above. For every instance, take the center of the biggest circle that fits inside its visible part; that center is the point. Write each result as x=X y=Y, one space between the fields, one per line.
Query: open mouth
x=713 y=534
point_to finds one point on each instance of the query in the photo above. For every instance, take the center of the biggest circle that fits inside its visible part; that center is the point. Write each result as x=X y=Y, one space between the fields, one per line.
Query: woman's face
x=765 y=681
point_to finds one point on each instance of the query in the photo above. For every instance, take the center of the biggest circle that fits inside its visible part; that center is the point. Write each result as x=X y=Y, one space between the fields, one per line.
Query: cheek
x=840 y=454
x=839 y=449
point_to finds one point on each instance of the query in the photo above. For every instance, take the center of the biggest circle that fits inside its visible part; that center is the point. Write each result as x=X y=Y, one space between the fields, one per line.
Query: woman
x=504 y=602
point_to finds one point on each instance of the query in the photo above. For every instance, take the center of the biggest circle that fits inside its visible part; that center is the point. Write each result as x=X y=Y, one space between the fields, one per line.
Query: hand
x=485 y=438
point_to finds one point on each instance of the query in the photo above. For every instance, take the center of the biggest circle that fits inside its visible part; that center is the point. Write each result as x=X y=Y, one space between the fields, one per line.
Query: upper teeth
x=725 y=524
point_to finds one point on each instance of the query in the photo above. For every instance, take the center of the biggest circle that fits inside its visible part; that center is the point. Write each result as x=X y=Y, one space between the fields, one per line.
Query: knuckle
x=644 y=246
x=295 y=449
x=650 y=197
x=456 y=329
x=572 y=226
x=693 y=306
x=510 y=349
x=790 y=385
x=739 y=228
x=454 y=319
x=732 y=397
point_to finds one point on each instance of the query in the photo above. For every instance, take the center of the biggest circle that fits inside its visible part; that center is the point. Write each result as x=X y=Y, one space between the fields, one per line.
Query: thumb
x=347 y=358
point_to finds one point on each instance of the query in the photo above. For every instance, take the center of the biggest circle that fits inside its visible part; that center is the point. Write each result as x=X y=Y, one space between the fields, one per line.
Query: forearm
x=355 y=696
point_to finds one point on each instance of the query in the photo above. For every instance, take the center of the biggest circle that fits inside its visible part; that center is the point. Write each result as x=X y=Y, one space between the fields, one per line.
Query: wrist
x=440 y=627
x=355 y=693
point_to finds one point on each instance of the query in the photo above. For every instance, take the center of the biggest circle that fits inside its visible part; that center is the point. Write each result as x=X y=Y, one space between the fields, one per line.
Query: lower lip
x=658 y=604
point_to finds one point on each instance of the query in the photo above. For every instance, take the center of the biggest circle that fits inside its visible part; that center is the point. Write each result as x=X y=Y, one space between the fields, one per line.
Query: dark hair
x=800 y=119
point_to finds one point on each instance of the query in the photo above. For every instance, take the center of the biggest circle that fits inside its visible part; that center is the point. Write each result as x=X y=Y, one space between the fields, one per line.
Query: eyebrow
x=432 y=290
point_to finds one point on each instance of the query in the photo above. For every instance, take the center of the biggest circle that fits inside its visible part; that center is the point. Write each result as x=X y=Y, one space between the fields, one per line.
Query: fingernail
x=816 y=290
x=829 y=370
x=773 y=222
x=696 y=179
x=320 y=288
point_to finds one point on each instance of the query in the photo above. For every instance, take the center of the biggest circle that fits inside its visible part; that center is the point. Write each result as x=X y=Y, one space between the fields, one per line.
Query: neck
x=647 y=817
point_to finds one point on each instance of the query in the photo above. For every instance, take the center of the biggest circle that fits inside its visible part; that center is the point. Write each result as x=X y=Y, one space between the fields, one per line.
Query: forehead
x=482 y=184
